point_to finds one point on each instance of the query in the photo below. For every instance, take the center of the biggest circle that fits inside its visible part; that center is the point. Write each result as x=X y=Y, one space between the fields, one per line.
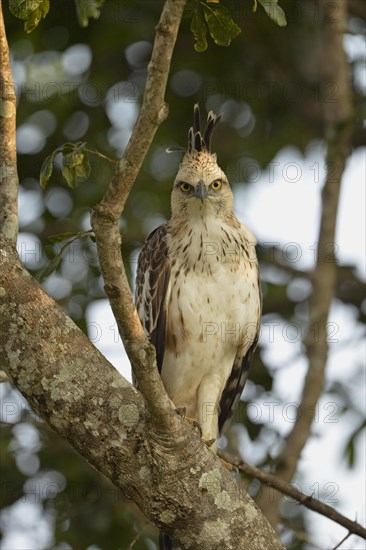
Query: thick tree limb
x=338 y=119
x=307 y=500
x=8 y=160
x=106 y=216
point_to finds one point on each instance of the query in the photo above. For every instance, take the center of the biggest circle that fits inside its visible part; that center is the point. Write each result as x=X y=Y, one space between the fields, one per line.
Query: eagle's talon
x=230 y=467
x=197 y=425
x=210 y=442
x=193 y=423
x=181 y=411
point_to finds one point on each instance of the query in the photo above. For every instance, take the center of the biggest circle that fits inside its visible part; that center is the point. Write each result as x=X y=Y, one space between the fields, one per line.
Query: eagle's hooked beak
x=201 y=191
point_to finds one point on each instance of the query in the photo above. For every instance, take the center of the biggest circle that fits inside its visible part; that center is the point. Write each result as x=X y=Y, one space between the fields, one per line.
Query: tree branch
x=307 y=500
x=105 y=218
x=8 y=160
x=338 y=121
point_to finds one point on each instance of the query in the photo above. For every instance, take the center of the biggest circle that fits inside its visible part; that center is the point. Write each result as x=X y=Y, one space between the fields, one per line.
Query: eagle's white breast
x=212 y=315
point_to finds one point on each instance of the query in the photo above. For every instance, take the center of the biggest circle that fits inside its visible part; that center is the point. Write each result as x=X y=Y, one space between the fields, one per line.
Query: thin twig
x=307 y=500
x=342 y=541
x=106 y=214
x=98 y=154
x=136 y=538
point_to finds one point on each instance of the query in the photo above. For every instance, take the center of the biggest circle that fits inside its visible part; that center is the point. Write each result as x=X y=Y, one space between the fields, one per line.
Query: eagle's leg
x=207 y=407
x=212 y=443
x=181 y=411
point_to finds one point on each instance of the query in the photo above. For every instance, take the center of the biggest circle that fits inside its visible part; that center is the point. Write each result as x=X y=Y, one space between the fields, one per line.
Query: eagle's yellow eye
x=185 y=187
x=216 y=185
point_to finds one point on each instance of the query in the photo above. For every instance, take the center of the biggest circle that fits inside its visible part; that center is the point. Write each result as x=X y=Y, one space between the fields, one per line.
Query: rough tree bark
x=8 y=158
x=338 y=123
x=142 y=446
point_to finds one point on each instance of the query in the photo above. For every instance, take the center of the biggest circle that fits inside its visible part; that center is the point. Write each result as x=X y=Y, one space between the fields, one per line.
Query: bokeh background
x=86 y=84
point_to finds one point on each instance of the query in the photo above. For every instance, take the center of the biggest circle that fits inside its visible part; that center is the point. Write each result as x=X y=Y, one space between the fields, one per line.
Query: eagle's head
x=201 y=188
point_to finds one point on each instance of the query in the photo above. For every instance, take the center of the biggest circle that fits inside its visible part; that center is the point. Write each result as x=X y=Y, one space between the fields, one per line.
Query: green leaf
x=55 y=262
x=30 y=11
x=83 y=169
x=75 y=164
x=85 y=9
x=274 y=11
x=220 y=24
x=199 y=31
x=46 y=171
x=69 y=174
x=36 y=16
x=255 y=6
x=68 y=147
x=73 y=154
x=23 y=8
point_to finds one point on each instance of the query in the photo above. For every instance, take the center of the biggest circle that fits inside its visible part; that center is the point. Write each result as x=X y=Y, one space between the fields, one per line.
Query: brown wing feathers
x=235 y=383
x=153 y=273
x=234 y=388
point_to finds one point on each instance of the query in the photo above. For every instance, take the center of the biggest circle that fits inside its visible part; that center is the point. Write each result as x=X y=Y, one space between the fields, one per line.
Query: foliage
x=87 y=9
x=69 y=238
x=75 y=164
x=32 y=11
x=274 y=11
x=219 y=22
x=212 y=13
x=199 y=31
